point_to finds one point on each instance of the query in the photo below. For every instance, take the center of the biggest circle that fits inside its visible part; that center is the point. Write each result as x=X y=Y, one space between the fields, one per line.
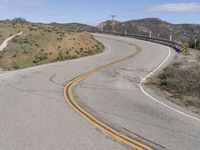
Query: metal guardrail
x=172 y=44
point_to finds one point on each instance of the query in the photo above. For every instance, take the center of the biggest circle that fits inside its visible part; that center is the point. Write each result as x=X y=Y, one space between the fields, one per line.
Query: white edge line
x=151 y=97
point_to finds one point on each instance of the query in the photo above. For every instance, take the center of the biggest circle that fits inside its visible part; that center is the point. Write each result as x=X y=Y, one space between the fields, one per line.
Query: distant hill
x=156 y=26
x=180 y=32
x=75 y=26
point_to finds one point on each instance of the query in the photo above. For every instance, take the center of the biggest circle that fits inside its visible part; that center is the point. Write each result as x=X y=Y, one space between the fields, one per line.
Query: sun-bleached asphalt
x=34 y=114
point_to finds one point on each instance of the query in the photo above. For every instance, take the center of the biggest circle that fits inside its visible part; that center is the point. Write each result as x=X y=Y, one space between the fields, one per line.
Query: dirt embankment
x=40 y=44
x=180 y=81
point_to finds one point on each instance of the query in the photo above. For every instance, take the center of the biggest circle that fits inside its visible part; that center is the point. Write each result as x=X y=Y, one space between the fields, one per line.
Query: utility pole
x=113 y=22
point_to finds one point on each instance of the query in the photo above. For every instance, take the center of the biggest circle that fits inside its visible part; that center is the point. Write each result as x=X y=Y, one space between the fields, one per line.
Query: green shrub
x=40 y=57
x=15 y=66
x=25 y=52
x=163 y=82
x=74 y=57
x=182 y=80
x=36 y=45
x=15 y=40
x=60 y=56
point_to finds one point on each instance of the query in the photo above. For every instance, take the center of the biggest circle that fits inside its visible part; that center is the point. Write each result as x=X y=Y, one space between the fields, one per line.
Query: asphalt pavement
x=35 y=115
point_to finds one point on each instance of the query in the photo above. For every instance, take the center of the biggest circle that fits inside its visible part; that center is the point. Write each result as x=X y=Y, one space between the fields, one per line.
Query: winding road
x=37 y=104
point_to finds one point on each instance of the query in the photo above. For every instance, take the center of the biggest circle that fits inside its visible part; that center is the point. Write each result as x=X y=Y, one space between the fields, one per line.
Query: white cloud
x=176 y=7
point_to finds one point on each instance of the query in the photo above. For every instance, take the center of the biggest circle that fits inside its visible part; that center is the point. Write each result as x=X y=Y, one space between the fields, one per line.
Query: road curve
x=34 y=114
x=110 y=131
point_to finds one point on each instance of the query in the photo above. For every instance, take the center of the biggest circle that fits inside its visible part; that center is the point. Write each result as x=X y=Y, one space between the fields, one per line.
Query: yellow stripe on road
x=114 y=134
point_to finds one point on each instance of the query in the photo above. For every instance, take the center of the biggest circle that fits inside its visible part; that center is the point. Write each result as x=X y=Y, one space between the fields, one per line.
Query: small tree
x=19 y=19
x=192 y=43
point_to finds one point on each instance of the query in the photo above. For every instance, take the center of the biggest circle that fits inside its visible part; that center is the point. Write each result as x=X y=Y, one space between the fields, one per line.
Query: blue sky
x=95 y=11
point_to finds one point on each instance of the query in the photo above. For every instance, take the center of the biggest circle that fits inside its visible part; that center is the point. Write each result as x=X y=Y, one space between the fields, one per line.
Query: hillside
x=78 y=27
x=44 y=43
x=180 y=32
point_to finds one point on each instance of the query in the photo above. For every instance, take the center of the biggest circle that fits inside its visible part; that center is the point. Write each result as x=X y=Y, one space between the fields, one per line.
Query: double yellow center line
x=114 y=134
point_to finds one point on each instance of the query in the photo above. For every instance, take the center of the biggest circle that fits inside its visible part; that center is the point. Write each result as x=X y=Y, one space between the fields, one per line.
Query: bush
x=36 y=45
x=25 y=52
x=182 y=80
x=60 y=56
x=192 y=43
x=19 y=19
x=15 y=40
x=15 y=66
x=40 y=57
x=74 y=57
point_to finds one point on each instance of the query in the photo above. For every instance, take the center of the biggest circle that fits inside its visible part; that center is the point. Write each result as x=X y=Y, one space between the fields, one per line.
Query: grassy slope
x=180 y=81
x=41 y=44
x=7 y=29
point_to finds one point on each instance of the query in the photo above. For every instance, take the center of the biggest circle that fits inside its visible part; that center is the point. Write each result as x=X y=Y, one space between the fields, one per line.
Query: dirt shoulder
x=180 y=81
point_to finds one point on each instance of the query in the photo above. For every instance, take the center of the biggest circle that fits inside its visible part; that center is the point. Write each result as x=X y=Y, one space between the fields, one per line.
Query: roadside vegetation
x=180 y=81
x=42 y=43
x=193 y=44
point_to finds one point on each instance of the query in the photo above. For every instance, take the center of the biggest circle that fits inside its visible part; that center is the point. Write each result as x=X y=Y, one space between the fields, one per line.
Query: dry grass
x=182 y=80
x=41 y=44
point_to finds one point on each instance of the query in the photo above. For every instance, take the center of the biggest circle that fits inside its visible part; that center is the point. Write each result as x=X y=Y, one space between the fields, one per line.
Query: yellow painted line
x=114 y=134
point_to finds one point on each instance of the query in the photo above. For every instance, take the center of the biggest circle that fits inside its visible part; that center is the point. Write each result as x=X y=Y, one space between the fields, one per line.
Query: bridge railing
x=172 y=44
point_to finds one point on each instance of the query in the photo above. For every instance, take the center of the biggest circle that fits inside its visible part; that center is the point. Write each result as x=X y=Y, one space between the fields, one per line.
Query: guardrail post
x=170 y=37
x=125 y=32
x=150 y=34
x=175 y=45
